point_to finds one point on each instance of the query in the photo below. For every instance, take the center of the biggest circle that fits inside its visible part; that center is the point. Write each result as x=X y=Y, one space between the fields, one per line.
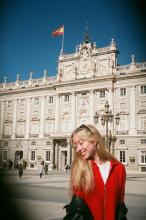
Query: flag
x=58 y=31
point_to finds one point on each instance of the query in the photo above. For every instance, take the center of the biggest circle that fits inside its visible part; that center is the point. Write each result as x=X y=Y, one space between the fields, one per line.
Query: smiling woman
x=97 y=179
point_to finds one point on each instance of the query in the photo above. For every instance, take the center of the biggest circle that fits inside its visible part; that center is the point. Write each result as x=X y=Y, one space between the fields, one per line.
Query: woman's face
x=84 y=148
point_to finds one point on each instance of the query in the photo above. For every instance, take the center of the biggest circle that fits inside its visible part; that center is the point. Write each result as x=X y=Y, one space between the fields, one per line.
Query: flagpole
x=62 y=42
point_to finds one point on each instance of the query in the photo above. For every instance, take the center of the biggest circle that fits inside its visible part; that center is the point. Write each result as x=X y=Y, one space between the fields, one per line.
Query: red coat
x=103 y=202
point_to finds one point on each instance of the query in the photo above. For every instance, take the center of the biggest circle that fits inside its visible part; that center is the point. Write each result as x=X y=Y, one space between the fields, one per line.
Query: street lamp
x=105 y=119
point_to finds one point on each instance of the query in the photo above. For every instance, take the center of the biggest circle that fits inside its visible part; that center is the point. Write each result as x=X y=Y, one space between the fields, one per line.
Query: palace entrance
x=61 y=155
x=17 y=158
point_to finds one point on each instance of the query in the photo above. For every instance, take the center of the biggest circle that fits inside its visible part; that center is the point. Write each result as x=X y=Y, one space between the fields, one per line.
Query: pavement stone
x=46 y=210
x=42 y=209
x=135 y=183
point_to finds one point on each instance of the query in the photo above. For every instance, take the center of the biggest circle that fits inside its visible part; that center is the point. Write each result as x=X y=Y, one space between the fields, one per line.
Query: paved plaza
x=56 y=182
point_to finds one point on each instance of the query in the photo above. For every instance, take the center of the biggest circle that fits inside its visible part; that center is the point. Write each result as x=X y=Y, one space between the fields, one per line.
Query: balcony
x=33 y=135
x=6 y=136
x=141 y=132
x=46 y=134
x=122 y=132
x=19 y=136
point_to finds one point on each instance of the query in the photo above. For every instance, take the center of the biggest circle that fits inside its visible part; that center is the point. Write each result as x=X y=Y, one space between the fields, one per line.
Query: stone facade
x=37 y=116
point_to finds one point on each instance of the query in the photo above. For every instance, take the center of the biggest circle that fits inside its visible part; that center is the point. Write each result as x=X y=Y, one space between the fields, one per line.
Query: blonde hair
x=82 y=177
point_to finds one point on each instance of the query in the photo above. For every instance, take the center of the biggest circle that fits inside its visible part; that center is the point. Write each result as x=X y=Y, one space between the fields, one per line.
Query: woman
x=97 y=179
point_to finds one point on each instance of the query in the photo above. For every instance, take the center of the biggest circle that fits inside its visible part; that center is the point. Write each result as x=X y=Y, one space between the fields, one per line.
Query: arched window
x=35 y=127
x=123 y=123
x=142 y=122
x=83 y=119
x=49 y=126
x=66 y=123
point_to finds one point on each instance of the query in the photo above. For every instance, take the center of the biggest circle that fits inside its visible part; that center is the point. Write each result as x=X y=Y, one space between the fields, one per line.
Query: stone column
x=57 y=155
x=52 y=153
x=14 y=119
x=1 y=118
x=42 y=117
x=27 y=131
x=73 y=111
x=68 y=152
x=91 y=114
x=132 y=128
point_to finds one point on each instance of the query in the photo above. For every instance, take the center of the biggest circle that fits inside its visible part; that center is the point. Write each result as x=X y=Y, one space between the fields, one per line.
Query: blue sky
x=26 y=25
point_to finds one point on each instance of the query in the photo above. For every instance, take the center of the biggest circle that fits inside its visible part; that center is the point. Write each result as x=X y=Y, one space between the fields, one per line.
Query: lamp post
x=107 y=118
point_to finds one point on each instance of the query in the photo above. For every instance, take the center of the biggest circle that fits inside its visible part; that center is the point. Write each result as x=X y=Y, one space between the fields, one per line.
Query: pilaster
x=57 y=107
x=132 y=111
x=68 y=152
x=91 y=114
x=27 y=118
x=73 y=111
x=42 y=117
x=1 y=118
x=14 y=119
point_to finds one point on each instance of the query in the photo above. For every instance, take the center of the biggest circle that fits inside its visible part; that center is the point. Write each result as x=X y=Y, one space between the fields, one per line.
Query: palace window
x=66 y=123
x=123 y=125
x=142 y=123
x=35 y=127
x=5 y=144
x=36 y=101
x=50 y=99
x=9 y=104
x=22 y=101
x=122 y=91
x=32 y=155
x=122 y=141
x=122 y=156
x=143 y=157
x=5 y=155
x=20 y=129
x=49 y=126
x=143 y=89
x=143 y=141
x=48 y=154
x=102 y=94
x=66 y=98
x=21 y=114
x=8 y=129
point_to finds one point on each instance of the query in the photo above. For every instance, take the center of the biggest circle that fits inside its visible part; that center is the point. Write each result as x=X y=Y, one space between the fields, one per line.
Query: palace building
x=37 y=116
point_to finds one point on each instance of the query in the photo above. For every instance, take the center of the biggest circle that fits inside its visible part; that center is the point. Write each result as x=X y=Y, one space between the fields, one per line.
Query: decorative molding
x=35 y=119
x=143 y=111
x=123 y=113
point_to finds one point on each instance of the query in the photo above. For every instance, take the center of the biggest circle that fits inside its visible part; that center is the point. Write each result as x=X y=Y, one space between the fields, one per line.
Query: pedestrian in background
x=4 y=164
x=67 y=168
x=41 y=169
x=46 y=169
x=97 y=179
x=20 y=170
x=10 y=164
x=24 y=164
